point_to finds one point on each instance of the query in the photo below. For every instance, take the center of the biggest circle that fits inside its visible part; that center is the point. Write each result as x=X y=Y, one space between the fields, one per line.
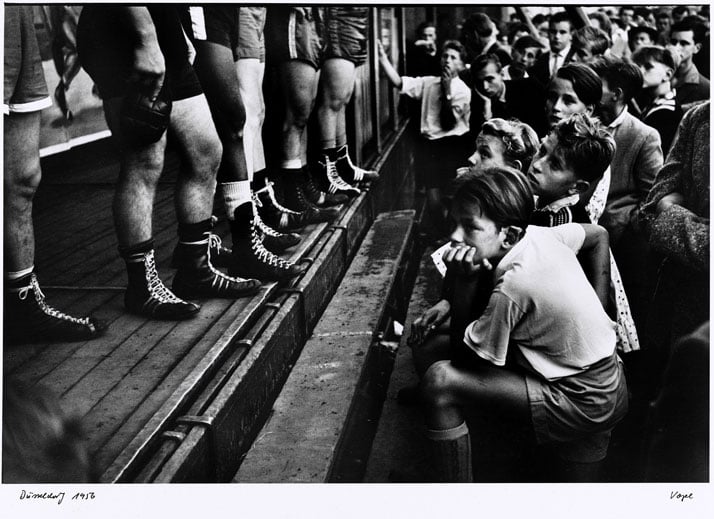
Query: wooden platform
x=132 y=384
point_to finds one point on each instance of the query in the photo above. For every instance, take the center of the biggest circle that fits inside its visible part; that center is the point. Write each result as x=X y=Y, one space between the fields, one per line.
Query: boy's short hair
x=648 y=53
x=540 y=18
x=591 y=38
x=560 y=16
x=584 y=145
x=634 y=31
x=479 y=23
x=699 y=30
x=515 y=28
x=458 y=47
x=586 y=83
x=520 y=140
x=527 y=42
x=502 y=194
x=679 y=10
x=483 y=60
x=619 y=74
x=663 y=12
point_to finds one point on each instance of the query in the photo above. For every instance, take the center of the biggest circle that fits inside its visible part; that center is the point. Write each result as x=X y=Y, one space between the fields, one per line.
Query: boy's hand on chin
x=464 y=261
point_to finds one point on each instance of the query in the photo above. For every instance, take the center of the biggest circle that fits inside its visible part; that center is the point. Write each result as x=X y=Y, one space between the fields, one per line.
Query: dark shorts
x=215 y=24
x=577 y=414
x=106 y=51
x=291 y=34
x=251 y=26
x=439 y=159
x=345 y=33
x=25 y=87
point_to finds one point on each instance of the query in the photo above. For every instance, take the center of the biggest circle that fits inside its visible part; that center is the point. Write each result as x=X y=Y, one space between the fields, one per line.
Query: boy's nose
x=457 y=236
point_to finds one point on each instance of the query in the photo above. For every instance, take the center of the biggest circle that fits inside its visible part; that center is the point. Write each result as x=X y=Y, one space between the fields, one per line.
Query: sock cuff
x=14 y=276
x=448 y=434
x=139 y=248
x=290 y=164
x=193 y=232
x=234 y=195
x=330 y=153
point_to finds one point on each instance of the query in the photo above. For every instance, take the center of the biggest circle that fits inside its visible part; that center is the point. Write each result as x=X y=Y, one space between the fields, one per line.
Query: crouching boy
x=543 y=350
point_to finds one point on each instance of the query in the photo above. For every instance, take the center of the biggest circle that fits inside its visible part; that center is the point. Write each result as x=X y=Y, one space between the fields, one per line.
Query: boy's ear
x=579 y=187
x=589 y=109
x=619 y=94
x=511 y=235
x=518 y=165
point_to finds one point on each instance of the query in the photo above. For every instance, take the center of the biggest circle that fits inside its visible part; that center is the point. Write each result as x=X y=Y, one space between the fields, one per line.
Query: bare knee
x=206 y=157
x=435 y=387
x=21 y=182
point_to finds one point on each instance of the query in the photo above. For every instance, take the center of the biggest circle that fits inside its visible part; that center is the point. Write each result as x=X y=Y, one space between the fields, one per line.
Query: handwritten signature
x=55 y=496
x=680 y=496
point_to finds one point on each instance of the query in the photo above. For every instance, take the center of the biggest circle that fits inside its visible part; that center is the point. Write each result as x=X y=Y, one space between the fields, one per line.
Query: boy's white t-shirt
x=428 y=89
x=544 y=305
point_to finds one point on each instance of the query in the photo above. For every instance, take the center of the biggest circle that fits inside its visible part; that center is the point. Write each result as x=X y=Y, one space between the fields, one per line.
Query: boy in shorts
x=543 y=350
x=294 y=47
x=215 y=32
x=28 y=317
x=131 y=52
x=345 y=49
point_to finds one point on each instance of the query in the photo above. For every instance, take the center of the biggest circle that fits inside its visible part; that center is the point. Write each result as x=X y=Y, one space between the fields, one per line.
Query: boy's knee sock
x=235 y=194
x=450 y=451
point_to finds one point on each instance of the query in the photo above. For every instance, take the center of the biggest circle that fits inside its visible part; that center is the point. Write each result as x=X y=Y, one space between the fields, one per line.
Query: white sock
x=12 y=276
x=291 y=164
x=235 y=194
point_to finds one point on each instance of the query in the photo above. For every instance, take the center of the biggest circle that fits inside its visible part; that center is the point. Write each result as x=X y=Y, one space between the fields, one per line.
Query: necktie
x=556 y=63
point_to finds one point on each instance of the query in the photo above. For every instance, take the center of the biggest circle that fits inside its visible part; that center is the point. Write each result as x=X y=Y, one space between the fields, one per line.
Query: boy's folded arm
x=595 y=259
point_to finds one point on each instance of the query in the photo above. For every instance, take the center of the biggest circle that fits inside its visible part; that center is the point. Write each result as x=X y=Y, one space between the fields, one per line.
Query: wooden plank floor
x=118 y=382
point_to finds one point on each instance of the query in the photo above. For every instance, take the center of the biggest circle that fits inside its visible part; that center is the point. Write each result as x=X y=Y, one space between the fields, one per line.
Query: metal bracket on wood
x=291 y=290
x=341 y=227
x=203 y=420
x=307 y=260
x=174 y=435
x=248 y=343
x=274 y=306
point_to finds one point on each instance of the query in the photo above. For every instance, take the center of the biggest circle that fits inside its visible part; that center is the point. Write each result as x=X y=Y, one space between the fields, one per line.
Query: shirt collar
x=563 y=53
x=618 y=120
x=557 y=205
x=667 y=98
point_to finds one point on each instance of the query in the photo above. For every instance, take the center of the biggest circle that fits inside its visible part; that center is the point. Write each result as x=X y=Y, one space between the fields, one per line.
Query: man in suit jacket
x=522 y=99
x=686 y=41
x=637 y=159
x=560 y=29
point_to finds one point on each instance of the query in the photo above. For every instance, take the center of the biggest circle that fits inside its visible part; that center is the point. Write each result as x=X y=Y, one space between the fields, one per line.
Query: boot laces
x=215 y=241
x=216 y=244
x=156 y=287
x=264 y=255
x=336 y=181
x=357 y=172
x=264 y=228
x=47 y=309
x=271 y=194
x=312 y=189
